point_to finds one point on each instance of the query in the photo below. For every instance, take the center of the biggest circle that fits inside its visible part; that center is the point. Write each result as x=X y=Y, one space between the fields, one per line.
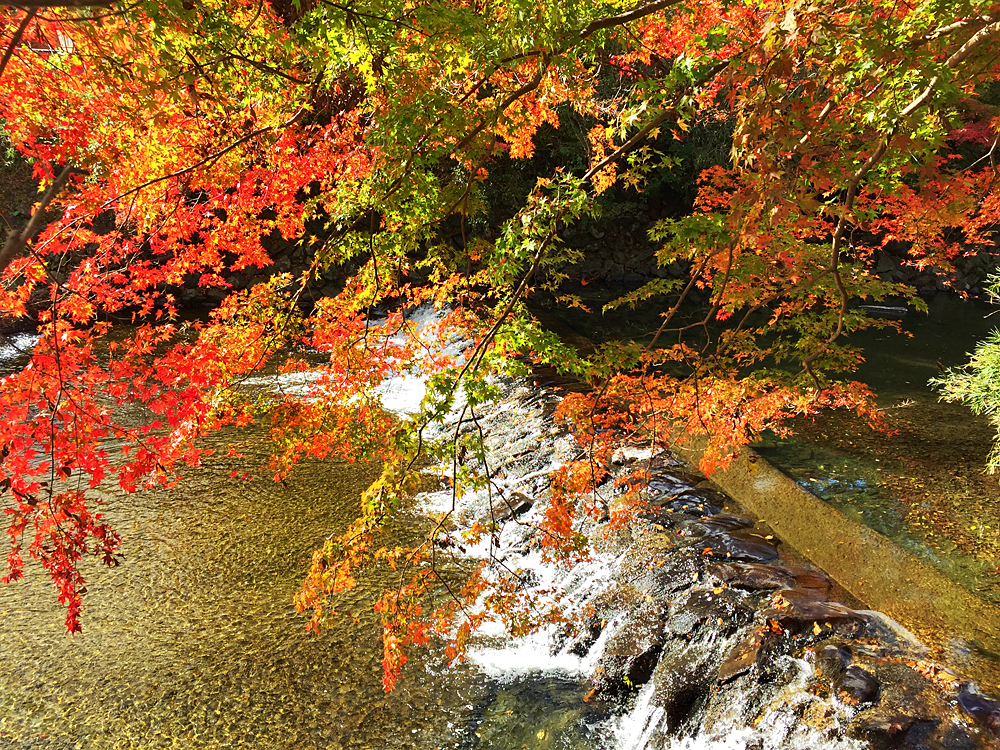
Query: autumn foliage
x=188 y=145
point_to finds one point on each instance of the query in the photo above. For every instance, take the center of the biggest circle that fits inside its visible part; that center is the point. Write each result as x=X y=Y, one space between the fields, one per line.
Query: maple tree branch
x=630 y=144
x=527 y=88
x=480 y=351
x=211 y=158
x=680 y=300
x=628 y=16
x=350 y=11
x=262 y=67
x=950 y=29
x=974 y=41
x=837 y=242
x=122 y=10
x=959 y=56
x=648 y=128
x=16 y=39
x=16 y=241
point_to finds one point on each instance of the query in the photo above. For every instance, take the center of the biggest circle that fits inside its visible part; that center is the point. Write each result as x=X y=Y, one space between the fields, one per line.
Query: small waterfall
x=693 y=632
x=690 y=631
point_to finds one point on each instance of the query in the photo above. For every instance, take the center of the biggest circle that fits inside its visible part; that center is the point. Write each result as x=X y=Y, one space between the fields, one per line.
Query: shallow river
x=192 y=642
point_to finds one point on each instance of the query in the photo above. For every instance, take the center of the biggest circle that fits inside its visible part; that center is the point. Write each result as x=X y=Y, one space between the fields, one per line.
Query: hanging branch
x=16 y=241
x=16 y=39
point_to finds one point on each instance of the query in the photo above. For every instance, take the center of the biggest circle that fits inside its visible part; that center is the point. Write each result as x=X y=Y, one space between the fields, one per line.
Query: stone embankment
x=703 y=625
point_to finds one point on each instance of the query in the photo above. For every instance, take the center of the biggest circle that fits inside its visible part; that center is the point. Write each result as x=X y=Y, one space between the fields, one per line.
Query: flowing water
x=193 y=642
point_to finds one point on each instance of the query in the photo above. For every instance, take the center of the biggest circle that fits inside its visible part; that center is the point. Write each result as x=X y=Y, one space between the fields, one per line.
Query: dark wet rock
x=673 y=572
x=756 y=536
x=909 y=712
x=892 y=638
x=916 y=722
x=923 y=735
x=678 y=475
x=663 y=516
x=799 y=612
x=642 y=666
x=740 y=546
x=858 y=685
x=725 y=608
x=662 y=487
x=712 y=525
x=812 y=579
x=830 y=661
x=957 y=737
x=592 y=630
x=514 y=505
x=742 y=658
x=672 y=482
x=770 y=667
x=751 y=576
x=691 y=502
x=632 y=651
x=682 y=683
x=984 y=710
x=708 y=491
x=880 y=728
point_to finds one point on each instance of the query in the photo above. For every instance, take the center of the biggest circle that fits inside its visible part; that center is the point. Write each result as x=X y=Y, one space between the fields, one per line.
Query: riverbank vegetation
x=315 y=169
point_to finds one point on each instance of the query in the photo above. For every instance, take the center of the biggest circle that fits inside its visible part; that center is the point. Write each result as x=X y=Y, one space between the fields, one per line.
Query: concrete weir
x=870 y=567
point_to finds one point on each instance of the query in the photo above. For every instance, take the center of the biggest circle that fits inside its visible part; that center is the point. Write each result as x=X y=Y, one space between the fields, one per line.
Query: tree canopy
x=188 y=143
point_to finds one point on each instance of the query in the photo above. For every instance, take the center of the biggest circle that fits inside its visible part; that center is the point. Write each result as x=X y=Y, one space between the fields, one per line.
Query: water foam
x=403 y=391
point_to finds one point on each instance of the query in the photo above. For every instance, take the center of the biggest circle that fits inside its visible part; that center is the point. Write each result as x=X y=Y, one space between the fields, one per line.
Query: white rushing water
x=401 y=392
x=547 y=653
x=16 y=345
x=571 y=590
x=781 y=728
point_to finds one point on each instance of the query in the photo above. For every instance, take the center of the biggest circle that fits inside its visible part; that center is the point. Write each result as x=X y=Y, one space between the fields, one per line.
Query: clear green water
x=192 y=641
x=924 y=486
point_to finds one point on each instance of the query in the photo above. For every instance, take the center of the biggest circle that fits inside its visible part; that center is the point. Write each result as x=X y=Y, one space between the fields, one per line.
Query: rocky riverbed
x=695 y=627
